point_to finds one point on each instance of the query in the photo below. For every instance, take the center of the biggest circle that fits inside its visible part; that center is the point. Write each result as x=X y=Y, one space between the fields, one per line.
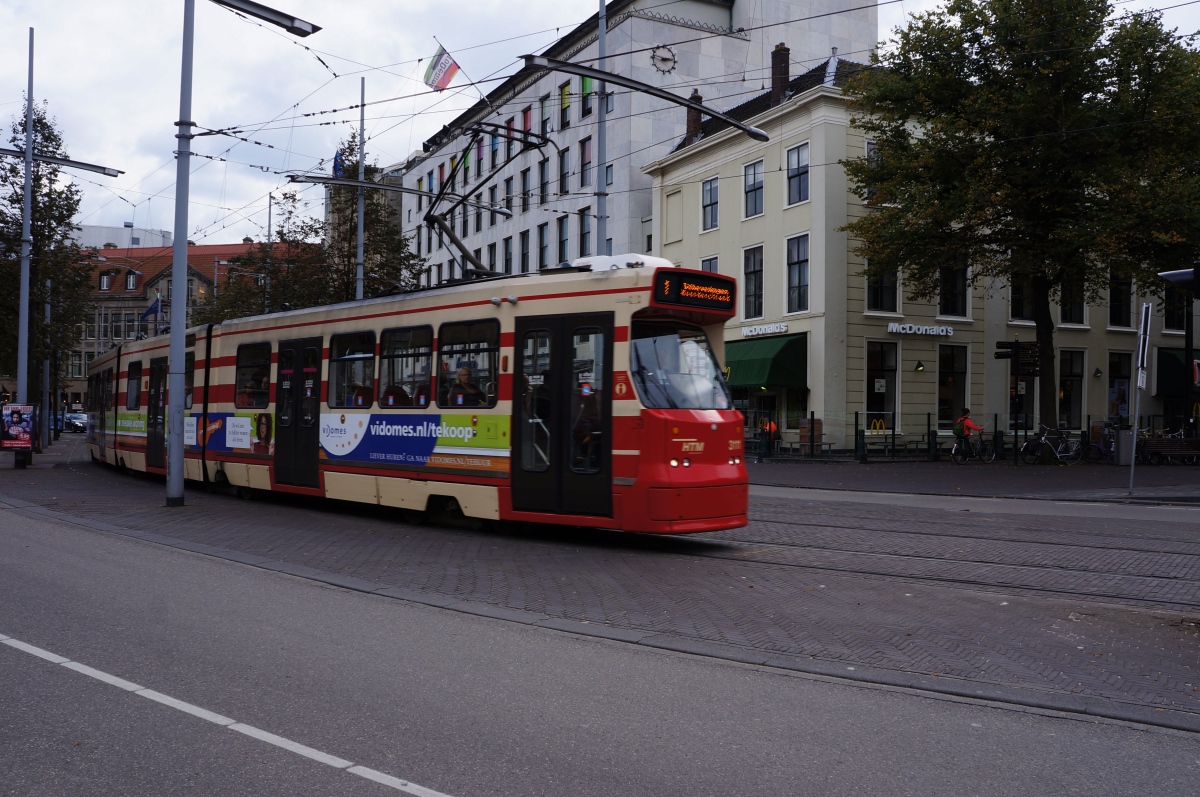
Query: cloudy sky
x=110 y=71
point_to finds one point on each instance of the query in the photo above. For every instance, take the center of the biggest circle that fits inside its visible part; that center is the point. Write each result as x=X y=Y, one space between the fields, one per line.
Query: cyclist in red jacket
x=964 y=426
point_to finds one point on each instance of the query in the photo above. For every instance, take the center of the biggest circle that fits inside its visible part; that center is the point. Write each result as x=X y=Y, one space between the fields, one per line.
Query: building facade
x=817 y=342
x=718 y=47
x=94 y=236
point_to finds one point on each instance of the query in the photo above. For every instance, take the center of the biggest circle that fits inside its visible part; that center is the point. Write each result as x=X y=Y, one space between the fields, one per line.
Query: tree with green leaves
x=1042 y=144
x=313 y=261
x=54 y=255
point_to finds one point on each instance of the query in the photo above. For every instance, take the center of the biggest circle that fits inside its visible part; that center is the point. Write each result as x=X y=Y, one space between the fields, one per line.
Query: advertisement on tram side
x=475 y=444
x=131 y=428
x=239 y=432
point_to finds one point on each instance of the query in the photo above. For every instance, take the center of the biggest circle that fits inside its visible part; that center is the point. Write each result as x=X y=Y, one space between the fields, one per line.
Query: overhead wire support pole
x=554 y=65
x=362 y=176
x=602 y=138
x=26 y=248
x=176 y=351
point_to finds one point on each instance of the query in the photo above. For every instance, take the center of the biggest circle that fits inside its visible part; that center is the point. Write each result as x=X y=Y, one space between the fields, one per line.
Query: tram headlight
x=674 y=463
x=687 y=463
x=735 y=460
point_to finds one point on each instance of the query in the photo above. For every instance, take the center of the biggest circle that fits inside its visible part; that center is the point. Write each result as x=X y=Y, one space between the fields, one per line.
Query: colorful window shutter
x=587 y=85
x=564 y=92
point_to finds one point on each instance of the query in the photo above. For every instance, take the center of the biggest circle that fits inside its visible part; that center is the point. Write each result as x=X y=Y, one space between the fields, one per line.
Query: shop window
x=881 y=292
x=1120 y=374
x=881 y=382
x=1020 y=302
x=253 y=378
x=133 y=387
x=1071 y=305
x=797 y=408
x=405 y=360
x=753 y=188
x=708 y=204
x=1176 y=305
x=467 y=364
x=1120 y=303
x=352 y=370
x=953 y=299
x=952 y=384
x=797 y=175
x=797 y=273
x=1020 y=400
x=1070 y=389
x=753 y=271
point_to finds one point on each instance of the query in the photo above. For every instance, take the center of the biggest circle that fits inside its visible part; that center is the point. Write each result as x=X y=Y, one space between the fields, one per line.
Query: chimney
x=780 y=63
x=693 y=120
x=247 y=240
x=831 y=68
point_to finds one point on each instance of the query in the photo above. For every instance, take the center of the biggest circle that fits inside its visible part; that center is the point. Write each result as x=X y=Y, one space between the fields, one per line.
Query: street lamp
x=176 y=362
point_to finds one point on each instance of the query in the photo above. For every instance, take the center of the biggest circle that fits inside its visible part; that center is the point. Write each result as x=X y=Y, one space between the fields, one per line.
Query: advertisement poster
x=476 y=444
x=1118 y=398
x=16 y=427
x=238 y=433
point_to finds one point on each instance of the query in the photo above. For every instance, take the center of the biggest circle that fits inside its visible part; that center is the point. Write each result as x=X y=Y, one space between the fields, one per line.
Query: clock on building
x=663 y=59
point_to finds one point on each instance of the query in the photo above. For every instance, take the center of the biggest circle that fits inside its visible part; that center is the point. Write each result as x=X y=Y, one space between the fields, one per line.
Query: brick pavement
x=1057 y=607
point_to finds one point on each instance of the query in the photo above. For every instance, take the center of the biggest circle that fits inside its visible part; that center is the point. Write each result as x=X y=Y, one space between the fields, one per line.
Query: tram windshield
x=673 y=367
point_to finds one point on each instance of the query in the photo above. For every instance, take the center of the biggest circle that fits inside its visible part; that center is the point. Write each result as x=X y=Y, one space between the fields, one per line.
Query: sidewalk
x=1160 y=484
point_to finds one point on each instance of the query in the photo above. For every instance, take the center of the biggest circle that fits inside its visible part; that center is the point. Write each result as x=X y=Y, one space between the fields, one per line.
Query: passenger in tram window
x=263 y=444
x=395 y=396
x=245 y=397
x=464 y=392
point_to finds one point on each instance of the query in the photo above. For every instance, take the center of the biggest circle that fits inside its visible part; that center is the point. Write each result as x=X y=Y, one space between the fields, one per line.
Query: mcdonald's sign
x=1196 y=410
x=878 y=425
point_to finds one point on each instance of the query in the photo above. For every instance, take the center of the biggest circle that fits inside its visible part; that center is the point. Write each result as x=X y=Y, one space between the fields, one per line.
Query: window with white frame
x=797 y=274
x=797 y=174
x=709 y=208
x=953 y=299
x=709 y=264
x=754 y=189
x=881 y=292
x=752 y=271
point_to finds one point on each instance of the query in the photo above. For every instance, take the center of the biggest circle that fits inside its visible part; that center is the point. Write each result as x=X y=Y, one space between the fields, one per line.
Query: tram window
x=352 y=370
x=285 y=406
x=133 y=387
x=310 y=403
x=467 y=372
x=405 y=361
x=535 y=401
x=253 y=375
x=673 y=367
x=189 y=379
x=587 y=386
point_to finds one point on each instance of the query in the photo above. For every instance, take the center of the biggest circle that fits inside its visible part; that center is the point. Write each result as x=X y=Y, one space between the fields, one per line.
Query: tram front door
x=156 y=415
x=298 y=413
x=562 y=415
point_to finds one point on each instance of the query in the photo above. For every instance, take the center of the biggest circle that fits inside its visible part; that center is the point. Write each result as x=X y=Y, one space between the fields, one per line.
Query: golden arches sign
x=878 y=425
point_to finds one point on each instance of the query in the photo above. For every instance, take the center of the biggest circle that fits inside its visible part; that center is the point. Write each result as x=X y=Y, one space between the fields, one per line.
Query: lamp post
x=176 y=355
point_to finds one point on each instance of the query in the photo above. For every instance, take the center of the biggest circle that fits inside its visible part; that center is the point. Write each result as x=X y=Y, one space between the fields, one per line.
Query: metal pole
x=362 y=171
x=267 y=279
x=1189 y=355
x=26 y=242
x=602 y=140
x=47 y=409
x=175 y=382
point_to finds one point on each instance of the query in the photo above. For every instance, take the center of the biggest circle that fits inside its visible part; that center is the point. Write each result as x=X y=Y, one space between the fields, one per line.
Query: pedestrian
x=963 y=428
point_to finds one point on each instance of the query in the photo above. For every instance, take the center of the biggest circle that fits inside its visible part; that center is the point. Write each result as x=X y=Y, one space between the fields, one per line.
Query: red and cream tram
x=588 y=395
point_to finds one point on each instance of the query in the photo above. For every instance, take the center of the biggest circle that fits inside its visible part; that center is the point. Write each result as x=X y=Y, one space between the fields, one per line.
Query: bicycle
x=1067 y=450
x=964 y=449
x=1104 y=449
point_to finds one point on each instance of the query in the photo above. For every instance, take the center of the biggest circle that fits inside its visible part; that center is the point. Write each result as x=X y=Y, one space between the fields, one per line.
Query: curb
x=1148 y=500
x=1066 y=703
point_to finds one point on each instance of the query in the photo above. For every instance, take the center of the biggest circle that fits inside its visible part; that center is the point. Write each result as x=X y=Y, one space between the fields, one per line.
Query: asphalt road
x=462 y=705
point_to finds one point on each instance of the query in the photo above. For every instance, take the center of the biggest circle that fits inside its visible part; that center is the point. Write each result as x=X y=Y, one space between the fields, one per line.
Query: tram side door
x=298 y=413
x=156 y=415
x=562 y=415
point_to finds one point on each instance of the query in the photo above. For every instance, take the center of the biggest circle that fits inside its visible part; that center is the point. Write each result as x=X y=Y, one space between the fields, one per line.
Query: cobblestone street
x=1054 y=609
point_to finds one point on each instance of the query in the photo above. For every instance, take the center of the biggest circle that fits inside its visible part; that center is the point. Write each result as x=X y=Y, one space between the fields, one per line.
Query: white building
x=720 y=48
x=95 y=236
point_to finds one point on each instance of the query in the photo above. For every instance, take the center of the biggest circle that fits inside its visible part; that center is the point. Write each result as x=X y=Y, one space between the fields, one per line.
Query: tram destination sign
x=694 y=289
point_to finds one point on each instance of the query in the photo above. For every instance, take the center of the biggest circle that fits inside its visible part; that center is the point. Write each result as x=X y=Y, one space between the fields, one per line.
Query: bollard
x=860 y=445
x=764 y=443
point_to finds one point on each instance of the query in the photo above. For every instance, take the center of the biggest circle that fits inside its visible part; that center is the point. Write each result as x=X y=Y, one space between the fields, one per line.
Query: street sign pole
x=1142 y=351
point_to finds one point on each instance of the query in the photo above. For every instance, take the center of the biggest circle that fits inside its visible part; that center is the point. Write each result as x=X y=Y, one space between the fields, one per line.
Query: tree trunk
x=1047 y=384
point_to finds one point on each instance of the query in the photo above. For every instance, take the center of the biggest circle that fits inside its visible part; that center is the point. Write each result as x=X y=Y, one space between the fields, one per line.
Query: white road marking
x=186 y=708
x=233 y=725
x=112 y=680
x=41 y=654
x=288 y=744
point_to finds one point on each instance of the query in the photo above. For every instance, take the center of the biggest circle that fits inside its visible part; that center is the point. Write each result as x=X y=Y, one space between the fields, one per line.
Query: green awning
x=768 y=362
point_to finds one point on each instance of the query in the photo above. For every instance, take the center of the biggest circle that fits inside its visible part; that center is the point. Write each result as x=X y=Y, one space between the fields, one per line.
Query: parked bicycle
x=1102 y=450
x=964 y=449
x=1065 y=449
